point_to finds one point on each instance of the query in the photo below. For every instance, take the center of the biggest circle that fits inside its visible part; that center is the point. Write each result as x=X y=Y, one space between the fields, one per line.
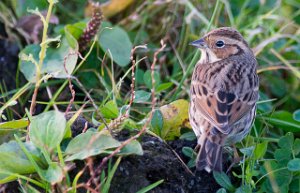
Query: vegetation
x=134 y=73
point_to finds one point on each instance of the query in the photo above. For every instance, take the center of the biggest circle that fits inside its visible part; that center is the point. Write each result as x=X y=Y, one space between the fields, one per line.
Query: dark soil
x=160 y=162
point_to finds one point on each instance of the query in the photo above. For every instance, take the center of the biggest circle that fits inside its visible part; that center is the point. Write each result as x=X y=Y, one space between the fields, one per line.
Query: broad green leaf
x=60 y=62
x=21 y=7
x=247 y=150
x=89 y=144
x=296 y=146
x=294 y=165
x=47 y=129
x=53 y=174
x=75 y=29
x=282 y=177
x=157 y=122
x=286 y=142
x=139 y=76
x=190 y=136
x=282 y=155
x=224 y=181
x=15 y=124
x=14 y=160
x=260 y=150
x=294 y=185
x=296 y=115
x=221 y=190
x=116 y=40
x=163 y=86
x=134 y=147
x=284 y=120
x=110 y=110
x=189 y=152
x=244 y=189
x=142 y=96
x=148 y=79
x=71 y=39
x=27 y=67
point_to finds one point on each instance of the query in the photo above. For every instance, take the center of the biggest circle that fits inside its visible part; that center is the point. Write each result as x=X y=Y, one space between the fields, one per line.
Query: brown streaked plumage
x=224 y=92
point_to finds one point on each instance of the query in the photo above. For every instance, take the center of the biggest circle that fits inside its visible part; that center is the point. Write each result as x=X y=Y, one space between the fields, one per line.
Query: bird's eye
x=220 y=44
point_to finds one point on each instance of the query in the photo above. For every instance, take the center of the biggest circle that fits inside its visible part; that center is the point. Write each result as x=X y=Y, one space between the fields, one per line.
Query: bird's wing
x=222 y=108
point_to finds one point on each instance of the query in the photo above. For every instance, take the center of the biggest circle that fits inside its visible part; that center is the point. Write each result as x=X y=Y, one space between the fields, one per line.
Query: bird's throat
x=207 y=56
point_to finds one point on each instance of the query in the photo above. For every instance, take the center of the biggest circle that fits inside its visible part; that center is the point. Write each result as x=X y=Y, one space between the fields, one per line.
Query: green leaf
x=157 y=122
x=116 y=40
x=75 y=29
x=223 y=180
x=221 y=190
x=260 y=150
x=141 y=96
x=163 y=86
x=90 y=144
x=150 y=187
x=110 y=110
x=286 y=142
x=296 y=115
x=14 y=160
x=247 y=150
x=69 y=30
x=28 y=68
x=282 y=155
x=60 y=62
x=296 y=146
x=189 y=152
x=244 y=189
x=134 y=147
x=139 y=76
x=190 y=136
x=148 y=79
x=284 y=120
x=15 y=124
x=294 y=185
x=282 y=177
x=53 y=174
x=47 y=129
x=21 y=6
x=294 y=165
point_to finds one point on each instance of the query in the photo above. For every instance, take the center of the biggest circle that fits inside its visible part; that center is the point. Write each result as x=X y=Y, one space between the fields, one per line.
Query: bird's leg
x=236 y=158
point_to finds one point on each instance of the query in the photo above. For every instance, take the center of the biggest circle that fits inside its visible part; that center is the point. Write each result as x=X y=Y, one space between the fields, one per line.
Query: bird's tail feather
x=209 y=156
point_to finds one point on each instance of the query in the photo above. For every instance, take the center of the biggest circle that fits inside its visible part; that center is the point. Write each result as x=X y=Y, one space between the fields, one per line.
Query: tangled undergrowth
x=126 y=65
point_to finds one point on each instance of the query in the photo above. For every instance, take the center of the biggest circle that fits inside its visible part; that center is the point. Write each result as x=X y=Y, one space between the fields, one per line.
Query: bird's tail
x=210 y=155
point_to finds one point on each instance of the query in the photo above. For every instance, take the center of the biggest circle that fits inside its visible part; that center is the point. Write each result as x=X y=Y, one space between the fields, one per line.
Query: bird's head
x=220 y=44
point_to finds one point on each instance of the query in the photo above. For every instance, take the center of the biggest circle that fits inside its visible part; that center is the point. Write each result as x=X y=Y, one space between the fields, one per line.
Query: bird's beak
x=199 y=43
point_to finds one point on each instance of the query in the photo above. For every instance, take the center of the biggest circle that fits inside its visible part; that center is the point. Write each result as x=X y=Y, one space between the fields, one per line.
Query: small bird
x=223 y=92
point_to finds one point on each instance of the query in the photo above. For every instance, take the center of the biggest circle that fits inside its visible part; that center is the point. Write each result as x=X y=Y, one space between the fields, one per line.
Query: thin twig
x=73 y=93
x=42 y=57
x=126 y=142
x=90 y=165
x=115 y=123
